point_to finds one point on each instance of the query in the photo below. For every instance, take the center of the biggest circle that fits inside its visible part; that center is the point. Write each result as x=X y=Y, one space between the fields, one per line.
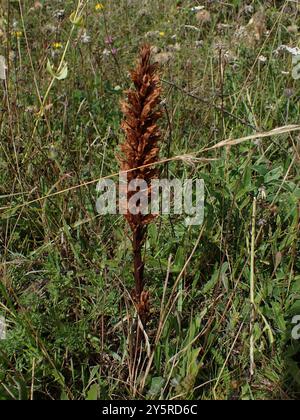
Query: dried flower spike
x=139 y=149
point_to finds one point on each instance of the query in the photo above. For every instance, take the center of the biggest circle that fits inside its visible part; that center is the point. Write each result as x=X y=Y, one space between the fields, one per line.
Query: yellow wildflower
x=57 y=45
x=99 y=6
x=18 y=34
x=162 y=34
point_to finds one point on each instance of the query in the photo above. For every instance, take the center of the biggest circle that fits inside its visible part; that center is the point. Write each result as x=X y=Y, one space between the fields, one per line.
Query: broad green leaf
x=61 y=75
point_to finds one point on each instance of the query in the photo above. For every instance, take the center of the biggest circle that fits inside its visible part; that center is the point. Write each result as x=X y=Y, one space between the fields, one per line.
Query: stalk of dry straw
x=141 y=148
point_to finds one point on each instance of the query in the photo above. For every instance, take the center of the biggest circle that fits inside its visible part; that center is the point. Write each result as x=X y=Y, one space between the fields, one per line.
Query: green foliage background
x=66 y=272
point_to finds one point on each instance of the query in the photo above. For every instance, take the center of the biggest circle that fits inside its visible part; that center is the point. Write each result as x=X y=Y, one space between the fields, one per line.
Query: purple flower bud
x=109 y=40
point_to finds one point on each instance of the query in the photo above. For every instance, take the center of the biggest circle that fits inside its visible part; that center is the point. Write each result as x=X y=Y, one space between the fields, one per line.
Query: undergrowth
x=66 y=272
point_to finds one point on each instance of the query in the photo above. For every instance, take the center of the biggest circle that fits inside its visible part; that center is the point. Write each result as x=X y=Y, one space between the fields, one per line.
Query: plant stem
x=252 y=289
x=138 y=237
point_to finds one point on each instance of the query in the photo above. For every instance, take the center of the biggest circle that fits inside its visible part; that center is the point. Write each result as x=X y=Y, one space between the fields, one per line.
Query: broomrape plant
x=139 y=149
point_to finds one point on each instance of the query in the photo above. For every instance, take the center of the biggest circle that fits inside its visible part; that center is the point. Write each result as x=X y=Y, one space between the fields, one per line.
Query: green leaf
x=63 y=74
x=215 y=277
x=60 y=75
x=49 y=68
x=178 y=260
x=76 y=20
x=93 y=393
x=64 y=396
x=156 y=386
x=274 y=175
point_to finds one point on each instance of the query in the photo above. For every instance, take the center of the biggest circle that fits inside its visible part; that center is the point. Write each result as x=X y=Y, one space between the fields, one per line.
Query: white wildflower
x=59 y=14
x=106 y=52
x=262 y=192
x=295 y=51
x=262 y=59
x=199 y=43
x=85 y=38
x=197 y=8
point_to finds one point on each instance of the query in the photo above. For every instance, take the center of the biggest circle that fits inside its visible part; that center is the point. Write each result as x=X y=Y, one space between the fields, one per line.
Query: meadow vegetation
x=223 y=295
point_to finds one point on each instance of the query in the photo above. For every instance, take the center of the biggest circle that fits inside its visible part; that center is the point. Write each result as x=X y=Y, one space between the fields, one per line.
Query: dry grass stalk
x=141 y=148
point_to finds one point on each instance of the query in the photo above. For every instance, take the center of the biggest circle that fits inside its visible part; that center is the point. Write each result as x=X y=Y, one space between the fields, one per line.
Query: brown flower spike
x=140 y=149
